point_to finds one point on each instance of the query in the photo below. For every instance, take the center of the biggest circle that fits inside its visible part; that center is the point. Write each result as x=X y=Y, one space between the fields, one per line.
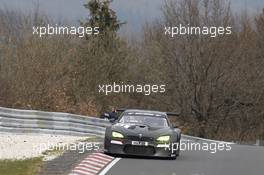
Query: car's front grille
x=137 y=138
x=139 y=150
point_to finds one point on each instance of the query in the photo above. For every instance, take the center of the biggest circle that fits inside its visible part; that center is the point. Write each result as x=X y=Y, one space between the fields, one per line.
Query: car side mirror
x=109 y=117
x=111 y=120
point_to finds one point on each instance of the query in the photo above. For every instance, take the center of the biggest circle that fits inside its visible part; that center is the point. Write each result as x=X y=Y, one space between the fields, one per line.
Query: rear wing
x=172 y=114
x=121 y=109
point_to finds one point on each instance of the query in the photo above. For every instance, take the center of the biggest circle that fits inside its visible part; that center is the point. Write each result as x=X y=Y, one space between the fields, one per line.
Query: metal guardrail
x=198 y=139
x=31 y=121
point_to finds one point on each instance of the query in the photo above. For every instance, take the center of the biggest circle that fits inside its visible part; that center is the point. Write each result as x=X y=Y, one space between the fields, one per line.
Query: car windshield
x=145 y=120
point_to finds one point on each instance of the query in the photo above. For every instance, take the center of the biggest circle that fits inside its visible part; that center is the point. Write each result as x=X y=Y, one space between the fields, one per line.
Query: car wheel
x=173 y=158
x=178 y=153
x=178 y=150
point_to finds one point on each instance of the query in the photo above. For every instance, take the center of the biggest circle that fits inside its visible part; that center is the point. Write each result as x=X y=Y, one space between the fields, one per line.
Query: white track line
x=109 y=166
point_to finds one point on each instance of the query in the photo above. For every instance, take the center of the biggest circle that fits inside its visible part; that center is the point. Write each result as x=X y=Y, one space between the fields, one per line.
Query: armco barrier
x=30 y=121
x=198 y=139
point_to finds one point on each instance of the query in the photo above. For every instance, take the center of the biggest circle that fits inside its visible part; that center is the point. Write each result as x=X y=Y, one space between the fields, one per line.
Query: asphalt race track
x=241 y=160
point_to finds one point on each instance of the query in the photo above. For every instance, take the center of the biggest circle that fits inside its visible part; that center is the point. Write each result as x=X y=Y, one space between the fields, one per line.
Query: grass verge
x=20 y=167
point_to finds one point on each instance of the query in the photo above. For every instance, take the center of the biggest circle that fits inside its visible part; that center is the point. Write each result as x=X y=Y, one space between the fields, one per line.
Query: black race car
x=143 y=133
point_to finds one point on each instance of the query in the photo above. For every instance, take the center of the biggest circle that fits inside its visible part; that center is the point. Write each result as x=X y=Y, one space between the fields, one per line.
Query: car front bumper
x=151 y=150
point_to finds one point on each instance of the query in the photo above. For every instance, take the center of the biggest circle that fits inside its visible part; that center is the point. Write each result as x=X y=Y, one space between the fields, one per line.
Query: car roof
x=146 y=112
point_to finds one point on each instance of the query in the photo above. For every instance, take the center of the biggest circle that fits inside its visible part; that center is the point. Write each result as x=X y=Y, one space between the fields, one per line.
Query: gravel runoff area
x=23 y=146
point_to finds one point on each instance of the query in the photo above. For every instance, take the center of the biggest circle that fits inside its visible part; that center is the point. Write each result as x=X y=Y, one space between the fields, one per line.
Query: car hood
x=136 y=129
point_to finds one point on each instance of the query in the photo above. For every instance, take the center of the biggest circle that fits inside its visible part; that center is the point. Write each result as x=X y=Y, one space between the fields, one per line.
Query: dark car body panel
x=137 y=133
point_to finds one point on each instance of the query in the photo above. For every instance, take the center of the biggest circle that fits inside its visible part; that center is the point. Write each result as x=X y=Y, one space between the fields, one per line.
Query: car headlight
x=117 y=135
x=163 y=139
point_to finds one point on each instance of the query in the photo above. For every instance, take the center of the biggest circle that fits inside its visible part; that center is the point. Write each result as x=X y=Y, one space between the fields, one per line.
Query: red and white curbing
x=92 y=164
